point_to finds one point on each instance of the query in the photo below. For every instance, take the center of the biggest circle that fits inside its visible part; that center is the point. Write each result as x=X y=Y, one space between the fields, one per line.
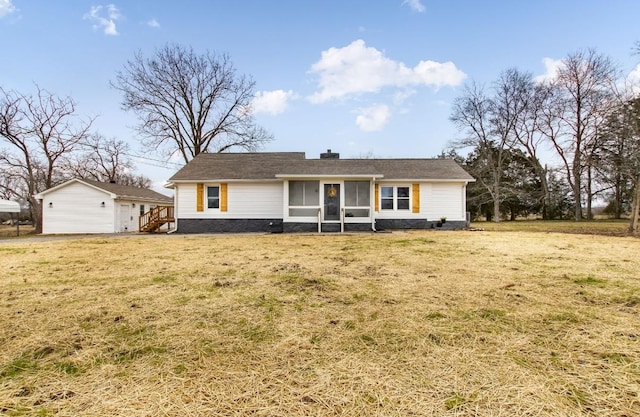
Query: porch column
x=372 y=203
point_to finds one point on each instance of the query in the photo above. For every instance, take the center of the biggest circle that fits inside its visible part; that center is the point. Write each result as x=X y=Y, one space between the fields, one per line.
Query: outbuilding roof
x=272 y=165
x=7 y=206
x=117 y=190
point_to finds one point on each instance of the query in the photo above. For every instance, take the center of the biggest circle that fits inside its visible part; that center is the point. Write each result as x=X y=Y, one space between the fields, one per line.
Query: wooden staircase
x=154 y=219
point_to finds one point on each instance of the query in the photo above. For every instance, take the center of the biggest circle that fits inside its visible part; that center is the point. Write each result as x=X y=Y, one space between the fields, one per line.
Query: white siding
x=437 y=200
x=77 y=208
x=443 y=200
x=404 y=214
x=244 y=201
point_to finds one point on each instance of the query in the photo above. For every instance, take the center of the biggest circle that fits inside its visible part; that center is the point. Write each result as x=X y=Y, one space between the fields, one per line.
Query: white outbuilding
x=87 y=206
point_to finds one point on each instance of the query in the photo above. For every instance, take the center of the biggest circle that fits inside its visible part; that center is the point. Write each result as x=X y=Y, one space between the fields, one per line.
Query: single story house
x=286 y=192
x=87 y=206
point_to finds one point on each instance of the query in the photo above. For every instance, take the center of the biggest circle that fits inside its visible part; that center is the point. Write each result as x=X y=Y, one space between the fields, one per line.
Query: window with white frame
x=213 y=197
x=304 y=198
x=395 y=198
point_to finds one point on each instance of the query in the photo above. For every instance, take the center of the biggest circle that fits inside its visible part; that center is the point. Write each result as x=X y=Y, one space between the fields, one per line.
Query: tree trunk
x=618 y=198
x=589 y=193
x=546 y=196
x=36 y=214
x=496 y=201
x=542 y=171
x=635 y=209
x=577 y=189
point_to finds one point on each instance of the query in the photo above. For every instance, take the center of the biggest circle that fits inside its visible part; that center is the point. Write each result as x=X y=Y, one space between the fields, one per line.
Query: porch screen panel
x=304 y=193
x=357 y=193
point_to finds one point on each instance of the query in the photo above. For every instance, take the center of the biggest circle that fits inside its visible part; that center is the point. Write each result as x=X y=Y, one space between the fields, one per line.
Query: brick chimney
x=329 y=155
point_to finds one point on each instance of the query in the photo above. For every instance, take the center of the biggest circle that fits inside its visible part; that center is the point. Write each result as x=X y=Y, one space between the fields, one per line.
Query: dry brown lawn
x=403 y=324
x=594 y=227
x=12 y=231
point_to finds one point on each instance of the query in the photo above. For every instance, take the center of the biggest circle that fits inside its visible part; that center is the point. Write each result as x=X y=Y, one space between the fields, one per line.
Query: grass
x=593 y=227
x=12 y=231
x=417 y=323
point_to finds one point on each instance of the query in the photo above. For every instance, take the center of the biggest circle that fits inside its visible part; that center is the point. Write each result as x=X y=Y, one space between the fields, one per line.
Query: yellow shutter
x=376 y=194
x=415 y=197
x=223 y=197
x=200 y=197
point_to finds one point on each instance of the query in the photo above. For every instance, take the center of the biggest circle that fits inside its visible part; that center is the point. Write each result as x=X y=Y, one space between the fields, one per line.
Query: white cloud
x=357 y=69
x=272 y=102
x=415 y=5
x=401 y=96
x=153 y=23
x=373 y=118
x=6 y=8
x=551 y=70
x=633 y=79
x=104 y=17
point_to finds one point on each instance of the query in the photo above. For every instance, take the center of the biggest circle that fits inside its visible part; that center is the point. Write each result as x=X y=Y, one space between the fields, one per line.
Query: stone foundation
x=229 y=225
x=278 y=226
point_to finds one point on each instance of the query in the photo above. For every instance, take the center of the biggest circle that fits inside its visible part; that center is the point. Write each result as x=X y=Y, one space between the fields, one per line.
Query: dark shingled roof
x=250 y=166
x=236 y=166
x=128 y=191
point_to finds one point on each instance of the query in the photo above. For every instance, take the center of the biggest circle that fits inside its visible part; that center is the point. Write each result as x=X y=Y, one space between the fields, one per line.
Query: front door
x=331 y=202
x=125 y=217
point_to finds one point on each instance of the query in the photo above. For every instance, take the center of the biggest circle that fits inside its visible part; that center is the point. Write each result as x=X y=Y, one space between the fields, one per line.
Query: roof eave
x=137 y=198
x=284 y=176
x=465 y=180
x=217 y=180
x=40 y=195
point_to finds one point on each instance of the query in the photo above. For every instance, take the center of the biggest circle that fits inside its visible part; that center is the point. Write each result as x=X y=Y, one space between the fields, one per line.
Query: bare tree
x=471 y=114
x=365 y=155
x=620 y=158
x=11 y=184
x=38 y=133
x=190 y=103
x=529 y=131
x=106 y=160
x=633 y=107
x=489 y=124
x=634 y=225
x=584 y=85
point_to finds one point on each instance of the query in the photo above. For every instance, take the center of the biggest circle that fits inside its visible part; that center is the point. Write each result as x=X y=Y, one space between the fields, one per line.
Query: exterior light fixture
x=102 y=204
x=50 y=204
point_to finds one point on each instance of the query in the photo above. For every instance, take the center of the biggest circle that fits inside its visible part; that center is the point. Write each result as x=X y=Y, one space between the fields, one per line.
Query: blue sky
x=359 y=77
